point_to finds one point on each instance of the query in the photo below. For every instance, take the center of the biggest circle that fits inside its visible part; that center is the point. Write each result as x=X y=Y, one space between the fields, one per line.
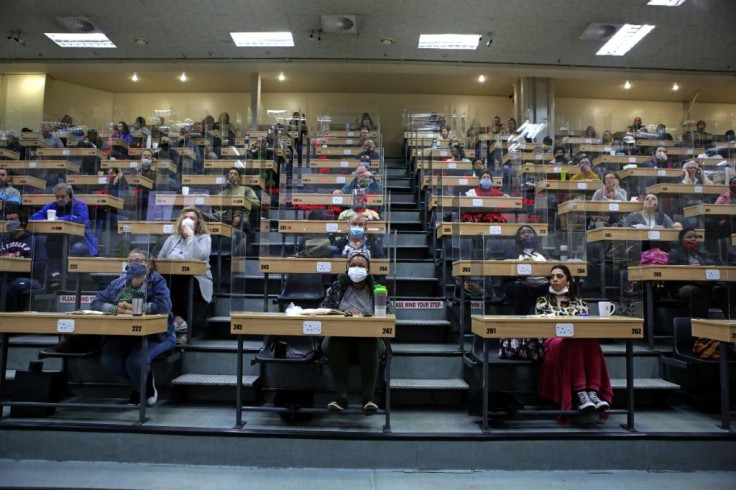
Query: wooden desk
x=725 y=332
x=598 y=207
x=87 y=180
x=32 y=142
x=309 y=265
x=246 y=323
x=440 y=166
x=332 y=152
x=446 y=229
x=70 y=152
x=121 y=143
x=12 y=155
x=68 y=324
x=685 y=151
x=183 y=151
x=166 y=165
x=513 y=268
x=580 y=327
x=330 y=180
x=655 y=143
x=202 y=200
x=246 y=164
x=585 y=186
x=28 y=181
x=341 y=200
x=547 y=169
x=216 y=180
x=139 y=180
x=504 y=144
x=669 y=189
x=167 y=228
x=472 y=204
x=335 y=163
x=580 y=140
x=30 y=165
x=10 y=265
x=92 y=200
x=527 y=156
x=649 y=172
x=327 y=142
x=301 y=227
x=685 y=273
x=709 y=210
x=588 y=148
x=341 y=133
x=620 y=159
x=234 y=151
x=606 y=234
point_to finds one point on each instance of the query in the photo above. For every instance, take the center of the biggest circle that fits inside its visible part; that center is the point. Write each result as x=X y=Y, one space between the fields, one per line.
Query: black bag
x=36 y=385
x=524 y=349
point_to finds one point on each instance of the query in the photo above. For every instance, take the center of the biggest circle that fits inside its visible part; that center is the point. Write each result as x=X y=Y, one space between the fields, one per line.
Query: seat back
x=684 y=340
x=305 y=290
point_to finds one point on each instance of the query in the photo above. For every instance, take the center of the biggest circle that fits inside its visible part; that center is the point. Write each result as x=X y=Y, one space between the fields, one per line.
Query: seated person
x=364 y=134
x=8 y=193
x=637 y=126
x=68 y=208
x=90 y=140
x=590 y=132
x=260 y=149
x=444 y=132
x=352 y=293
x=363 y=180
x=48 y=137
x=369 y=150
x=560 y=157
x=611 y=190
x=457 y=148
x=478 y=167
x=651 y=216
x=13 y=144
x=485 y=187
x=237 y=217
x=524 y=291
x=586 y=172
x=358 y=241
x=574 y=370
x=700 y=294
x=190 y=241
x=122 y=132
x=497 y=127
x=17 y=242
x=185 y=141
x=360 y=201
x=701 y=136
x=662 y=132
x=693 y=174
x=121 y=355
x=607 y=137
x=366 y=121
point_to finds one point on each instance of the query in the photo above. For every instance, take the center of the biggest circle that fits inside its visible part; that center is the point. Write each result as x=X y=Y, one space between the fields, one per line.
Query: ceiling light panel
x=448 y=41
x=80 y=40
x=666 y=3
x=263 y=39
x=625 y=39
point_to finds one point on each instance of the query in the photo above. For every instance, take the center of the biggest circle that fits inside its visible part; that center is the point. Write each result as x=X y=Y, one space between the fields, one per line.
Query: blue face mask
x=528 y=241
x=356 y=232
x=486 y=183
x=135 y=270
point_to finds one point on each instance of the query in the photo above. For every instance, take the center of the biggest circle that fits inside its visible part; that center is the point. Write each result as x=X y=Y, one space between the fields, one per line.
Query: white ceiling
x=694 y=44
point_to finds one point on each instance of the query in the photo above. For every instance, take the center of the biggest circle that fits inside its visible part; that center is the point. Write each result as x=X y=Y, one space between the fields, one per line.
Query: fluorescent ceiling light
x=625 y=39
x=80 y=40
x=448 y=41
x=666 y=3
x=263 y=39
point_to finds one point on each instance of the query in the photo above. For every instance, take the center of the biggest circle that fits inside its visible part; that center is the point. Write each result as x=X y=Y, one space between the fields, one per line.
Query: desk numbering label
x=564 y=330
x=65 y=326
x=712 y=274
x=312 y=328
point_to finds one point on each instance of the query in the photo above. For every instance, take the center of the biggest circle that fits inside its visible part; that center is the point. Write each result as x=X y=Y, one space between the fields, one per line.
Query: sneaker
x=181 y=326
x=600 y=405
x=338 y=404
x=134 y=398
x=585 y=404
x=181 y=338
x=370 y=406
x=151 y=391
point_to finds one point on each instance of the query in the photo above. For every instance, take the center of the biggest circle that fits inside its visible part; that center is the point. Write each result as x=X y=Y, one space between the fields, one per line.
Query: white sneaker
x=151 y=391
x=585 y=404
x=599 y=404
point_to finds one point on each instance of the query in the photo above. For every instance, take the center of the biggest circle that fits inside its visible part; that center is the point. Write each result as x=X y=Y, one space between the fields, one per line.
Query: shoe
x=134 y=398
x=585 y=404
x=370 y=406
x=181 y=338
x=338 y=404
x=151 y=391
x=181 y=326
x=600 y=405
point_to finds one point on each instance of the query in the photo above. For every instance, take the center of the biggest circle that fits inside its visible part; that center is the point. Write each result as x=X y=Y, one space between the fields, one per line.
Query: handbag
x=654 y=256
x=36 y=385
x=524 y=349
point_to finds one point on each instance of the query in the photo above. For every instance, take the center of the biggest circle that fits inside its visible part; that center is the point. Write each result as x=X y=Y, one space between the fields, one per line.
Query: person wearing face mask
x=367 y=121
x=586 y=170
x=352 y=293
x=369 y=150
x=8 y=193
x=607 y=137
x=121 y=355
x=574 y=370
x=662 y=132
x=17 y=242
x=485 y=187
x=363 y=180
x=524 y=291
x=358 y=241
x=189 y=240
x=559 y=156
x=238 y=217
x=359 y=206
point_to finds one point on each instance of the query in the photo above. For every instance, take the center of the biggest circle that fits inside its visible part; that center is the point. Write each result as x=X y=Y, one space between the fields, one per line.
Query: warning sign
x=71 y=299
x=426 y=305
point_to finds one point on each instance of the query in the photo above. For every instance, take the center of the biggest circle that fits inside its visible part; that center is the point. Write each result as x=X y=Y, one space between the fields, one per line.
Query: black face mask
x=164 y=146
x=560 y=158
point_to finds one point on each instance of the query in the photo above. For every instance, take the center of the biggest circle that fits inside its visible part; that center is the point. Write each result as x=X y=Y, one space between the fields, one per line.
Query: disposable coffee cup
x=185 y=191
x=606 y=308
x=51 y=214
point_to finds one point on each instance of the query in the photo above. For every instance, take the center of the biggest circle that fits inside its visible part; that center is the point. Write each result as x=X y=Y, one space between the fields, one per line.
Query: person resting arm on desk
x=121 y=355
x=574 y=370
x=651 y=216
x=485 y=187
x=352 y=293
x=693 y=174
x=611 y=190
x=358 y=241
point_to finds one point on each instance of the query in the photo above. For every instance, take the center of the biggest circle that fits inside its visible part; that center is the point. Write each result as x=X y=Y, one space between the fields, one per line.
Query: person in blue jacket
x=70 y=209
x=121 y=355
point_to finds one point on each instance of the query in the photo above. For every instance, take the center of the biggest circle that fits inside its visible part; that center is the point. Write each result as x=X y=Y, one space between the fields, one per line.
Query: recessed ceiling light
x=481 y=78
x=625 y=39
x=263 y=39
x=282 y=77
x=80 y=40
x=666 y=3
x=675 y=87
x=183 y=77
x=134 y=77
x=448 y=41
x=141 y=41
x=627 y=85
x=387 y=41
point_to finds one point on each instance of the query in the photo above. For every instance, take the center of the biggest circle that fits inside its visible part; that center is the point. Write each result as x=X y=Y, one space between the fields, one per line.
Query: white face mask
x=146 y=162
x=357 y=274
x=188 y=222
x=560 y=292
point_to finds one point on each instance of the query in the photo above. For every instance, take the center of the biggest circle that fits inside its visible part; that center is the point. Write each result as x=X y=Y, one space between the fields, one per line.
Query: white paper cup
x=185 y=191
x=606 y=308
x=51 y=214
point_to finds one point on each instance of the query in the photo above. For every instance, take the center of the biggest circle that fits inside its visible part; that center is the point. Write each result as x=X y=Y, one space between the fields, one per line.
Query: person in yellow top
x=586 y=172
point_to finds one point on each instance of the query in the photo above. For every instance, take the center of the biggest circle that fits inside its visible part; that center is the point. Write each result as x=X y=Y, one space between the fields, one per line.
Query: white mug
x=606 y=308
x=51 y=214
x=185 y=191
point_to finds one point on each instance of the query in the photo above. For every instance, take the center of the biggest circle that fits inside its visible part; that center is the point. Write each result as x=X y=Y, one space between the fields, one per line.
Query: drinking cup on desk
x=185 y=191
x=51 y=214
x=606 y=308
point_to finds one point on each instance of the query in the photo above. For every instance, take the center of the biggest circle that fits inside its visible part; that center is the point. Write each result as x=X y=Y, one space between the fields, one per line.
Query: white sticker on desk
x=712 y=274
x=477 y=202
x=698 y=189
x=494 y=230
x=452 y=165
x=126 y=228
x=168 y=228
x=133 y=164
x=312 y=328
x=350 y=133
x=66 y=153
x=462 y=181
x=199 y=201
x=613 y=207
x=340 y=180
x=523 y=269
x=324 y=266
x=324 y=146
x=348 y=142
x=346 y=152
x=102 y=180
x=564 y=330
x=632 y=159
x=31 y=164
x=661 y=173
x=522 y=146
x=689 y=152
x=607 y=149
x=344 y=164
x=557 y=170
x=588 y=141
x=582 y=186
x=65 y=326
x=653 y=235
x=332 y=228
x=220 y=180
x=539 y=156
x=336 y=199
x=443 y=153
